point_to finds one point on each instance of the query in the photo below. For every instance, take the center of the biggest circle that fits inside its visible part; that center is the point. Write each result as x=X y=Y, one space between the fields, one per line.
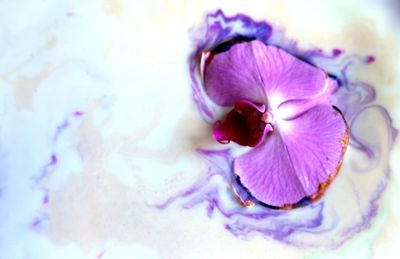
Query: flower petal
x=232 y=75
x=296 y=158
x=260 y=73
x=286 y=77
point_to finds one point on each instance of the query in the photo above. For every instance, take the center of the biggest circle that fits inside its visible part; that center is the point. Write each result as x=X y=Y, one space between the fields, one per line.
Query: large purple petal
x=286 y=77
x=232 y=75
x=261 y=73
x=295 y=159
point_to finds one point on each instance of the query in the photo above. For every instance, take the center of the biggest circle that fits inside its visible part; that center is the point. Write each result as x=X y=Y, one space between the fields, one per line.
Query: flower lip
x=246 y=124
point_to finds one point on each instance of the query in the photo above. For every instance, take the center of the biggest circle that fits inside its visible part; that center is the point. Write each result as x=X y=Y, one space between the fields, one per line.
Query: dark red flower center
x=246 y=124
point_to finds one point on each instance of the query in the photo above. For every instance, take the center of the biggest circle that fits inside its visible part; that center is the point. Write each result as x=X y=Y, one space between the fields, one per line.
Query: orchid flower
x=281 y=108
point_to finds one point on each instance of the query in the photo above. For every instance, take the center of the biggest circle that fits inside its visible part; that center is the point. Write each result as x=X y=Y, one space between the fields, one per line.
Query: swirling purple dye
x=48 y=168
x=331 y=221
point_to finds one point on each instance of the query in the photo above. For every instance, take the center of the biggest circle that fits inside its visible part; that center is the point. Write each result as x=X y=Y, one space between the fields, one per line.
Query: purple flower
x=281 y=108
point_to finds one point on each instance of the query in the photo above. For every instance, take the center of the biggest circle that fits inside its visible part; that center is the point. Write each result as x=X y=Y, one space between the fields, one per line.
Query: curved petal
x=260 y=73
x=286 y=77
x=291 y=109
x=232 y=75
x=296 y=158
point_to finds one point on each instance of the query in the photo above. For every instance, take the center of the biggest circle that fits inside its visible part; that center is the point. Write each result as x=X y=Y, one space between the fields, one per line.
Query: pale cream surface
x=124 y=65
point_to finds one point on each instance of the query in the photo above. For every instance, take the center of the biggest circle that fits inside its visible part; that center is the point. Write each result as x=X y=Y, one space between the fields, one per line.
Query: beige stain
x=114 y=8
x=25 y=87
x=80 y=210
x=93 y=206
x=51 y=42
x=361 y=37
x=391 y=223
x=190 y=132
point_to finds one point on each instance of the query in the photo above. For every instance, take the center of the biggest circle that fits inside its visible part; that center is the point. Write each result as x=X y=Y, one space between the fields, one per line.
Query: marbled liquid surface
x=97 y=124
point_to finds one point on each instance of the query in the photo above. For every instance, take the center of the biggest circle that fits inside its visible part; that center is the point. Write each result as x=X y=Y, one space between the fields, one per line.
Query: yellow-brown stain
x=114 y=8
x=25 y=87
x=245 y=203
x=190 y=132
x=362 y=37
x=50 y=43
x=91 y=197
x=93 y=205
